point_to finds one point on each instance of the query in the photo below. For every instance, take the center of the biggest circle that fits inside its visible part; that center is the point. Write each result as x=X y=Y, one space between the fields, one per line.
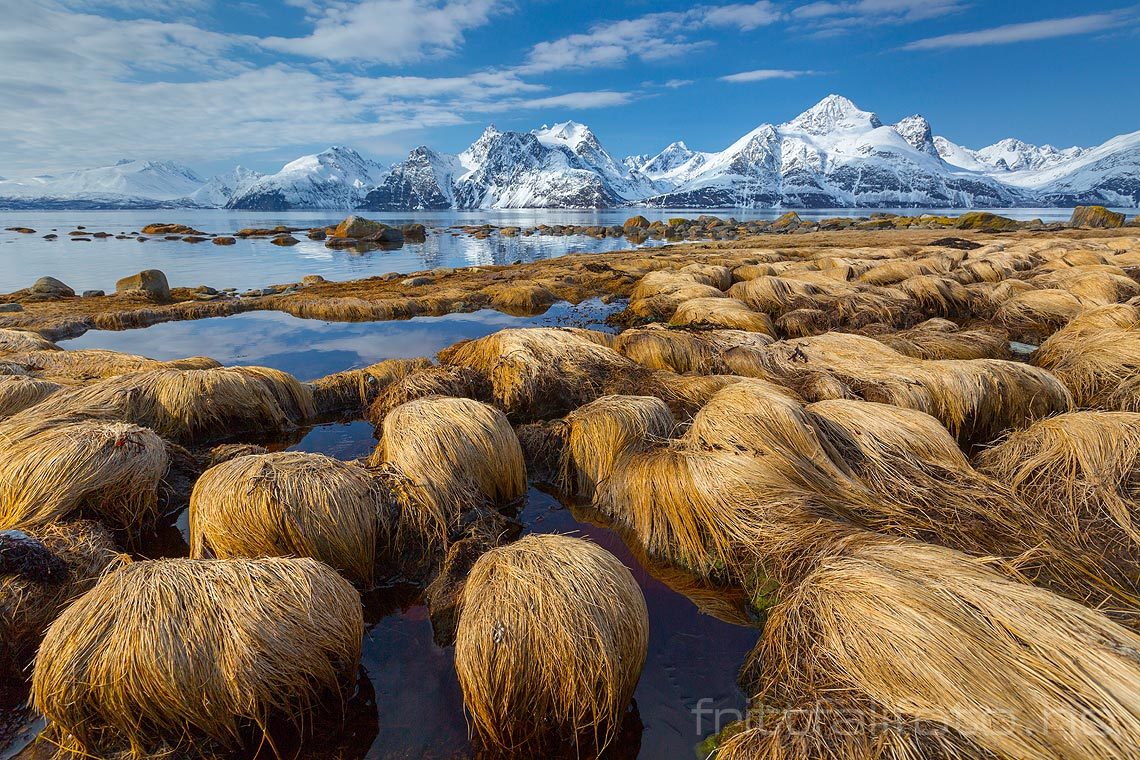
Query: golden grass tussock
x=355 y=389
x=195 y=405
x=598 y=435
x=108 y=470
x=29 y=604
x=292 y=504
x=541 y=373
x=801 y=323
x=18 y=393
x=720 y=277
x=456 y=382
x=1082 y=471
x=553 y=632
x=1096 y=359
x=977 y=400
x=939 y=296
x=23 y=341
x=95 y=364
x=903 y=639
x=1098 y=285
x=520 y=299
x=451 y=454
x=776 y=295
x=1036 y=314
x=658 y=294
x=176 y=654
x=721 y=313
x=939 y=339
x=680 y=351
x=897 y=270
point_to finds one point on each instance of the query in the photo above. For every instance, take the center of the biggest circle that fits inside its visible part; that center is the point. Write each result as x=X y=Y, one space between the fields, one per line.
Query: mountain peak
x=917 y=132
x=832 y=114
x=568 y=133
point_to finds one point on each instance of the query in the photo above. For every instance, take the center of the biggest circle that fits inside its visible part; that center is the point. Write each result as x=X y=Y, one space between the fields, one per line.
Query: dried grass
x=451 y=454
x=24 y=341
x=679 y=351
x=553 y=633
x=929 y=654
x=541 y=373
x=292 y=504
x=939 y=339
x=354 y=390
x=721 y=312
x=18 y=393
x=598 y=435
x=194 y=405
x=176 y=654
x=520 y=299
x=457 y=382
x=99 y=469
x=1096 y=357
x=28 y=606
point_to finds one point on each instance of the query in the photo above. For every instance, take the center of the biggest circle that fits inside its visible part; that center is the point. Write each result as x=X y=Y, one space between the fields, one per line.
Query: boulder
x=285 y=240
x=8 y=308
x=415 y=233
x=786 y=223
x=984 y=221
x=224 y=240
x=93 y=294
x=358 y=227
x=636 y=223
x=150 y=281
x=1096 y=216
x=385 y=235
x=21 y=230
x=317 y=234
x=49 y=286
x=167 y=229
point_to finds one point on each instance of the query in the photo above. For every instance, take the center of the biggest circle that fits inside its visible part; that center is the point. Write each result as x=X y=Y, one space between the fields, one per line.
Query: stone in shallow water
x=150 y=281
x=50 y=286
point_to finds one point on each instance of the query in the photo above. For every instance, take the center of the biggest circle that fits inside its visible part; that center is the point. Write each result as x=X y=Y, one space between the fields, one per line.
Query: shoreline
x=522 y=289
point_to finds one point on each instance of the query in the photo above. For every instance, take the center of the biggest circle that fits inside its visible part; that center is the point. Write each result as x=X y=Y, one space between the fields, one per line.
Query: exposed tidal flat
x=817 y=484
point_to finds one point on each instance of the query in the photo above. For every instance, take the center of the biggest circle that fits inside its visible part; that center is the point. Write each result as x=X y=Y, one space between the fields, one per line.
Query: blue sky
x=216 y=82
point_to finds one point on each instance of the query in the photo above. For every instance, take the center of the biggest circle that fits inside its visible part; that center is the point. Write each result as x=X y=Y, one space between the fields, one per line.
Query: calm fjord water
x=97 y=264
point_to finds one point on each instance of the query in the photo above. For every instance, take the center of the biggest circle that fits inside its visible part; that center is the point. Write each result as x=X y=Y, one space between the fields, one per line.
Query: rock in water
x=636 y=223
x=358 y=227
x=284 y=240
x=1096 y=216
x=150 y=281
x=49 y=286
x=415 y=233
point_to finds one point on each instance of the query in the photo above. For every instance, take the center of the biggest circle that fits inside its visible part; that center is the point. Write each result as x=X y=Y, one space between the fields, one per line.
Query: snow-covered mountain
x=832 y=155
x=337 y=178
x=836 y=155
x=127 y=183
x=218 y=190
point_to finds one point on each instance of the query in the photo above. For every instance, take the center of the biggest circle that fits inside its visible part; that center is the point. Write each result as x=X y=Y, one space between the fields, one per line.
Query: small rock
x=80 y=240
x=312 y=279
x=151 y=281
x=21 y=230
x=8 y=308
x=93 y=294
x=194 y=239
x=415 y=282
x=50 y=236
x=50 y=286
x=389 y=276
x=224 y=240
x=167 y=229
x=317 y=234
x=205 y=290
x=285 y=240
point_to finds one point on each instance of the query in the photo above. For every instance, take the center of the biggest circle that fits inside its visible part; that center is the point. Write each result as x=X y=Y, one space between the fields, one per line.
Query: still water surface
x=97 y=264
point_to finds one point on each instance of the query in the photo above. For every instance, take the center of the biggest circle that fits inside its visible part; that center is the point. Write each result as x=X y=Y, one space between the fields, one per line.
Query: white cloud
x=827 y=18
x=386 y=31
x=652 y=37
x=578 y=100
x=745 y=16
x=673 y=84
x=763 y=75
x=1033 y=30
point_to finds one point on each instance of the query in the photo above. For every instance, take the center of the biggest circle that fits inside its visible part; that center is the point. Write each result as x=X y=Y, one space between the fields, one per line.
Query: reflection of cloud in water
x=310 y=348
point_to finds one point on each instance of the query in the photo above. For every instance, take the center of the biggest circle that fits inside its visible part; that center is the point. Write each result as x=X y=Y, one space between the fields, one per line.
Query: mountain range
x=834 y=155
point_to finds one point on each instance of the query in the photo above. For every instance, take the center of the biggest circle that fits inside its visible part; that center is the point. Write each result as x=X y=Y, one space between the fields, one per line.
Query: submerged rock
x=168 y=229
x=285 y=240
x=415 y=233
x=224 y=240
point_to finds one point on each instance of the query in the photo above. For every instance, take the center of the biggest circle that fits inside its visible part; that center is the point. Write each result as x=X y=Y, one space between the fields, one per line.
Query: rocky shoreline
x=53 y=309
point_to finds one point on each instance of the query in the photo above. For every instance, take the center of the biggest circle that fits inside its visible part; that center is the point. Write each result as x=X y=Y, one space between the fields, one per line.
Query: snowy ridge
x=833 y=155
